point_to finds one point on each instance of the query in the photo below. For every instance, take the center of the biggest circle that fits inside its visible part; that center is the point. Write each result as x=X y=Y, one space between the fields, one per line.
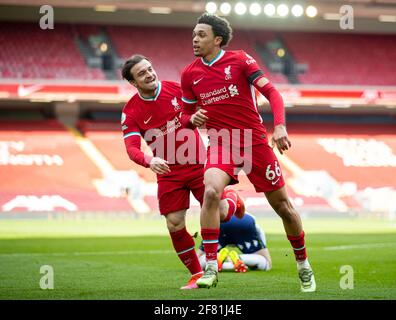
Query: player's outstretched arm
x=279 y=137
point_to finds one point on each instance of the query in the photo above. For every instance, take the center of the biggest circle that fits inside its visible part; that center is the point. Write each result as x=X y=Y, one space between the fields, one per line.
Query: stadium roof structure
x=369 y=15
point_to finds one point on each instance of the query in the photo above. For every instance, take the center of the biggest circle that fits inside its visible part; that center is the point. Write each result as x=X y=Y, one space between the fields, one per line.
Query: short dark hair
x=220 y=26
x=128 y=65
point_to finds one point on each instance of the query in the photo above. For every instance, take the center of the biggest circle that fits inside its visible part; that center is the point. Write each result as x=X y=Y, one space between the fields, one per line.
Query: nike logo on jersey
x=196 y=81
x=146 y=121
x=274 y=182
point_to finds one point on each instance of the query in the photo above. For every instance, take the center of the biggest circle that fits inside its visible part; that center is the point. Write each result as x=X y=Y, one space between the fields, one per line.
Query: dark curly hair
x=128 y=65
x=220 y=26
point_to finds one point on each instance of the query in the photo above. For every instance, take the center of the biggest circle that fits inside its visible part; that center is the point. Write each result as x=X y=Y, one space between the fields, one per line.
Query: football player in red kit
x=222 y=84
x=179 y=154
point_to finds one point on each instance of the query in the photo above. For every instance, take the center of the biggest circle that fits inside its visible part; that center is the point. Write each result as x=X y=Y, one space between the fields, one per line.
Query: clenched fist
x=198 y=119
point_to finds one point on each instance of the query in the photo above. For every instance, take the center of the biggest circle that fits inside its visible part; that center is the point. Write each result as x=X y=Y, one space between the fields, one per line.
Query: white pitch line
x=361 y=246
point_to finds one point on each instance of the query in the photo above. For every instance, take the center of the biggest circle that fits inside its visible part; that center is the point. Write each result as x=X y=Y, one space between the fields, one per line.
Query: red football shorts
x=174 y=187
x=259 y=162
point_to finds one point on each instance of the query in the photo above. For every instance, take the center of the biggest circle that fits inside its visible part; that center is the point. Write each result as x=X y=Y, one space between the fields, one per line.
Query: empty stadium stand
x=31 y=53
x=107 y=137
x=170 y=48
x=42 y=168
x=330 y=168
x=344 y=161
x=336 y=59
x=348 y=59
x=365 y=155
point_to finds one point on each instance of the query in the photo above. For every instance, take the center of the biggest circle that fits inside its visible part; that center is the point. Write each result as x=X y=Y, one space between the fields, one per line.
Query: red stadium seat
x=335 y=148
x=107 y=137
x=333 y=59
x=31 y=53
x=349 y=59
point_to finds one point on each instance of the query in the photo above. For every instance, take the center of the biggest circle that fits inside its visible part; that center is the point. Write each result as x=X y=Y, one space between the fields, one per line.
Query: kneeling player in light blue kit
x=246 y=235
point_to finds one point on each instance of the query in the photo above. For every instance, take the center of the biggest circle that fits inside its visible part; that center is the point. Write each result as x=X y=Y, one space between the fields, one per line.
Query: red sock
x=231 y=200
x=185 y=249
x=298 y=244
x=210 y=240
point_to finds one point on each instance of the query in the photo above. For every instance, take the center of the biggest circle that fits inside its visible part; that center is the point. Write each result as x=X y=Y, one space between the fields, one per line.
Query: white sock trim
x=212 y=263
x=303 y=264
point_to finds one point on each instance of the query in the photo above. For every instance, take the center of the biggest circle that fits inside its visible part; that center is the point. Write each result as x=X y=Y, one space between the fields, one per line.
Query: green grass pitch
x=134 y=259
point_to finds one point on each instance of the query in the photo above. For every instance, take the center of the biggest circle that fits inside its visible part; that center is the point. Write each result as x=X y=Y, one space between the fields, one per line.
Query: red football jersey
x=224 y=88
x=157 y=121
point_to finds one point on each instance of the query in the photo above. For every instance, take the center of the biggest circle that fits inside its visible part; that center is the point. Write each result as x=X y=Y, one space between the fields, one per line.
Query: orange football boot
x=192 y=283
